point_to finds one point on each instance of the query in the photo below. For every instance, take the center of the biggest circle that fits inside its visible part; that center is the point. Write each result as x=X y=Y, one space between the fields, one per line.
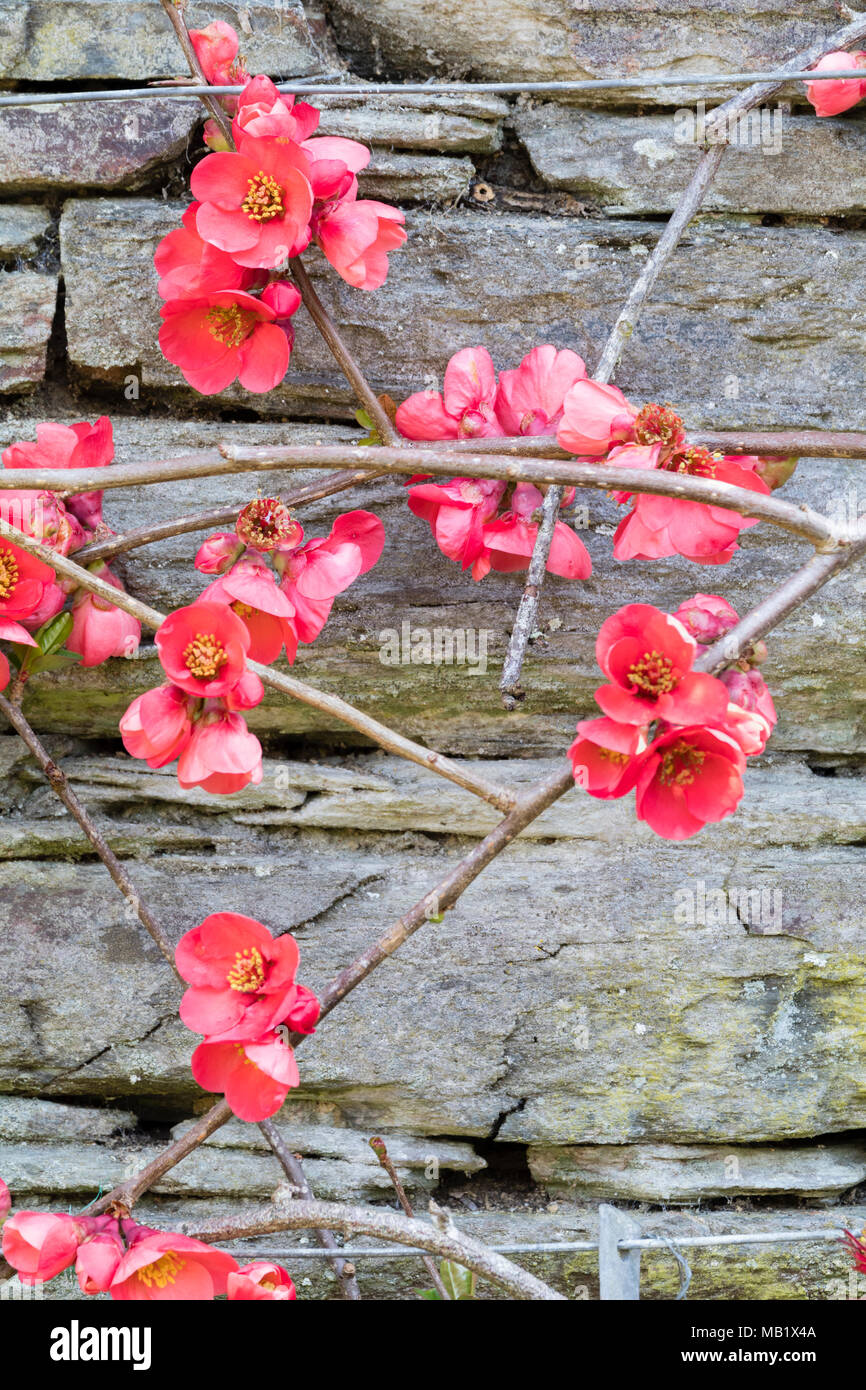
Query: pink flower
x=53 y=599
x=40 y=1245
x=284 y=301
x=251 y=590
x=751 y=714
x=510 y=541
x=69 y=446
x=222 y=756
x=831 y=97
x=466 y=409
x=530 y=399
x=218 y=553
x=97 y=1261
x=689 y=777
x=157 y=726
x=595 y=416
x=99 y=629
x=256 y=202
x=457 y=512
x=42 y=516
x=5 y=1201
x=242 y=980
x=354 y=234
x=216 y=48
x=190 y=268
x=261 y=1280
x=313 y=574
x=255 y=1077
x=161 y=1265
x=706 y=617
x=648 y=655
x=203 y=649
x=266 y=523
x=606 y=757
x=706 y=534
x=263 y=111
x=224 y=335
x=5 y=673
x=23 y=581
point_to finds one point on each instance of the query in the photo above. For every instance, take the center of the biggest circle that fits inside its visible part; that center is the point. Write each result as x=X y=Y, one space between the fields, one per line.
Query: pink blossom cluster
x=483 y=523
x=132 y=1263
x=244 y=1000
x=224 y=273
x=835 y=95
x=250 y=612
x=30 y=592
x=677 y=737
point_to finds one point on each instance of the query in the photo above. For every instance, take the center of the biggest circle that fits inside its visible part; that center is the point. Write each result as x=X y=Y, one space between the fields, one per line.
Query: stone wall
x=572 y=1031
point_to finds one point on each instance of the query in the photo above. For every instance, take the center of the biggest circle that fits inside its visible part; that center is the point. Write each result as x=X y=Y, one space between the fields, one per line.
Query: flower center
x=204 y=656
x=658 y=424
x=653 y=675
x=247 y=975
x=243 y=610
x=697 y=462
x=264 y=198
x=8 y=573
x=679 y=764
x=613 y=756
x=229 y=324
x=163 y=1271
x=265 y=523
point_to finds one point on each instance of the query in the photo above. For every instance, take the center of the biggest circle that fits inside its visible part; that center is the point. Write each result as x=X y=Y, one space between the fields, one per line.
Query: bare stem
x=56 y=779
x=380 y=1150
x=293 y=1169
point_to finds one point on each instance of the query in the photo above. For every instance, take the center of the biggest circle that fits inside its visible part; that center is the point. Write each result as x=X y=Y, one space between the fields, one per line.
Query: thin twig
x=389 y=1225
x=59 y=785
x=380 y=1150
x=293 y=1169
x=174 y=9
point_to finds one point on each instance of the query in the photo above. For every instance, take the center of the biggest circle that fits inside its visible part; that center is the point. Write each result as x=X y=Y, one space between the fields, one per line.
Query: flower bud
x=218 y=553
x=775 y=471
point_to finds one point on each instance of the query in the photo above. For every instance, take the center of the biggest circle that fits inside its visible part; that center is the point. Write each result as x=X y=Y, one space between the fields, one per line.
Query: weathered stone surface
x=467 y=122
x=409 y=178
x=641 y=991
x=749 y=325
x=544 y=40
x=820 y=701
x=683 y=1174
x=22 y=228
x=62 y=40
x=641 y=164
x=27 y=304
x=23 y=1120
x=99 y=144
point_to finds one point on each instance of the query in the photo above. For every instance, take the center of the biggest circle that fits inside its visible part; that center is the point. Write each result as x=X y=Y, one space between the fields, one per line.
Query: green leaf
x=459 y=1282
x=57 y=661
x=363 y=419
x=52 y=635
x=430 y=1294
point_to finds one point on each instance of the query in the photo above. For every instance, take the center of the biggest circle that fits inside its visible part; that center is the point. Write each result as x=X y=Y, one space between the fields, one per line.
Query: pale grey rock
x=641 y=164
x=469 y=122
x=408 y=178
x=132 y=40
x=98 y=144
x=24 y=1120
x=681 y=1174
x=27 y=303
x=22 y=228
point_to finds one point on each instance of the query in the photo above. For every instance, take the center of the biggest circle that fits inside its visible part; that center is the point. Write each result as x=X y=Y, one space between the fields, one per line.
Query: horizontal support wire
x=387 y=89
x=583 y=1247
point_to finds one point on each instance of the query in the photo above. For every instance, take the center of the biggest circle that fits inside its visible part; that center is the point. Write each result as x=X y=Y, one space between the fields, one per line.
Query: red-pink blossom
x=97 y=1261
x=162 y=1265
x=751 y=715
x=40 y=1245
x=833 y=96
x=314 y=573
x=218 y=553
x=251 y=590
x=43 y=517
x=530 y=398
x=689 y=777
x=255 y=1077
x=706 y=617
x=466 y=409
x=190 y=267
x=647 y=656
x=68 y=446
x=5 y=1201
x=203 y=649
x=242 y=980
x=99 y=629
x=157 y=725
x=510 y=540
x=223 y=335
x=261 y=1280
x=255 y=202
x=23 y=581
x=284 y=301
x=595 y=416
x=457 y=511
x=263 y=111
x=222 y=756
x=606 y=757
x=354 y=234
x=266 y=524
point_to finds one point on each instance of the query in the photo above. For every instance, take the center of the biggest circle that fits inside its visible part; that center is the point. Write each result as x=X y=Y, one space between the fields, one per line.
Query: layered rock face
x=604 y=1016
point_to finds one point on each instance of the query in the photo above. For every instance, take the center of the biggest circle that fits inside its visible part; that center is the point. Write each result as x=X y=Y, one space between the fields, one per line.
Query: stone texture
x=681 y=1174
x=99 y=144
x=72 y=40
x=641 y=164
x=22 y=229
x=410 y=178
x=749 y=325
x=544 y=40
x=466 y=122
x=23 y=1120
x=27 y=304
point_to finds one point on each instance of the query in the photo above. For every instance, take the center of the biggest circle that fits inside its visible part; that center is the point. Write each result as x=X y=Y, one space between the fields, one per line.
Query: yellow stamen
x=204 y=656
x=8 y=573
x=247 y=975
x=264 y=199
x=162 y=1272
